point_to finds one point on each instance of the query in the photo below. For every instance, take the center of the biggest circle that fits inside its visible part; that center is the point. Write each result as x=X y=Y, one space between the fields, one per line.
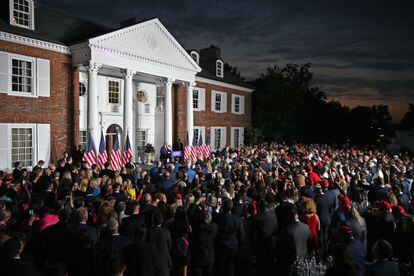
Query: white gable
x=147 y=42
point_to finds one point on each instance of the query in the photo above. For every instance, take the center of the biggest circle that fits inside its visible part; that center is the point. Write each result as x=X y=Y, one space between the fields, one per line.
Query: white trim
x=197 y=56
x=221 y=63
x=201 y=130
x=31 y=15
x=241 y=135
x=34 y=140
x=34 y=42
x=233 y=104
x=223 y=84
x=32 y=60
x=223 y=103
x=223 y=136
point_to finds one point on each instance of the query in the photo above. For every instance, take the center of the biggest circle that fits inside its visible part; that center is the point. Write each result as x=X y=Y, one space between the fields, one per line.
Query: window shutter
x=224 y=137
x=4 y=73
x=5 y=149
x=231 y=137
x=43 y=77
x=43 y=143
x=213 y=100
x=202 y=99
x=241 y=138
x=242 y=105
x=224 y=102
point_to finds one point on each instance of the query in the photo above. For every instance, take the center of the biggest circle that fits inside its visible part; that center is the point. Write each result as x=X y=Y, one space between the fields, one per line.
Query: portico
x=130 y=75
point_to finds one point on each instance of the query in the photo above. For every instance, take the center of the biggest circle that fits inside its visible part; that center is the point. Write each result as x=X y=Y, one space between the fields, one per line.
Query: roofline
x=223 y=84
x=28 y=41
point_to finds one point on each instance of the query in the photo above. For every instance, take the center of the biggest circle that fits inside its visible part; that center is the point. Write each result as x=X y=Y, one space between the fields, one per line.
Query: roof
x=227 y=78
x=53 y=26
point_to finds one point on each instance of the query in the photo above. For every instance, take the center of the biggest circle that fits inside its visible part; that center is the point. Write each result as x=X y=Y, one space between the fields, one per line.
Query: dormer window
x=195 y=56
x=21 y=13
x=219 y=68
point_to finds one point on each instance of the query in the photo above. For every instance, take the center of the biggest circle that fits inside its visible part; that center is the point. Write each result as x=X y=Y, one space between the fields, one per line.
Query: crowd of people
x=249 y=210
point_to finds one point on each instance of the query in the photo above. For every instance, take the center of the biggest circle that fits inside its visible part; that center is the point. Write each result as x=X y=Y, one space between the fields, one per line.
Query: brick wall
x=56 y=110
x=208 y=118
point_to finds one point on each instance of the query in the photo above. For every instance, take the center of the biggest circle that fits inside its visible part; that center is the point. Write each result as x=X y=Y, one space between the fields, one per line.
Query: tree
x=407 y=122
x=234 y=71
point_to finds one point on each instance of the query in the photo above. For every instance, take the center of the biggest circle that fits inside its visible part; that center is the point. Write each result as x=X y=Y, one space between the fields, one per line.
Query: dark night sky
x=362 y=52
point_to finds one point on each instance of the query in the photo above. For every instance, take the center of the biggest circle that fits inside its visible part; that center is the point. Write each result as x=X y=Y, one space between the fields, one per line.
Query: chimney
x=129 y=22
x=211 y=53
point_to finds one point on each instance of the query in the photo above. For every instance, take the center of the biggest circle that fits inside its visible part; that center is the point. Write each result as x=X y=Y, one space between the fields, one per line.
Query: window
x=147 y=108
x=113 y=92
x=238 y=104
x=22 y=146
x=198 y=132
x=217 y=138
x=83 y=137
x=195 y=56
x=195 y=99
x=22 y=13
x=82 y=89
x=217 y=105
x=141 y=139
x=160 y=98
x=237 y=134
x=22 y=76
x=219 y=68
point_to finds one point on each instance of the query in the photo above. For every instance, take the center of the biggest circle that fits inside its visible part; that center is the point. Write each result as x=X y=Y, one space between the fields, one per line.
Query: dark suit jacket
x=17 y=267
x=140 y=258
x=161 y=239
x=294 y=242
x=108 y=247
x=230 y=231
x=284 y=214
x=324 y=207
x=130 y=224
x=383 y=268
x=92 y=231
x=56 y=241
x=202 y=245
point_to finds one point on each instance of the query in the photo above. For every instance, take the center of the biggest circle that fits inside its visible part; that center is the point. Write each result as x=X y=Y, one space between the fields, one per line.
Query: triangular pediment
x=149 y=40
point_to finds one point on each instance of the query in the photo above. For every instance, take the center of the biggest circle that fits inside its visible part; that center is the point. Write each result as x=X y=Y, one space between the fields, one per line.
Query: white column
x=190 y=112
x=93 y=122
x=168 y=111
x=128 y=112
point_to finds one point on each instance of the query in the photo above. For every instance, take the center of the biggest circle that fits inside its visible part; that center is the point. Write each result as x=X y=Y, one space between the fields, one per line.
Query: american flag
x=116 y=160
x=206 y=149
x=102 y=155
x=200 y=148
x=89 y=155
x=126 y=156
x=187 y=148
x=194 y=149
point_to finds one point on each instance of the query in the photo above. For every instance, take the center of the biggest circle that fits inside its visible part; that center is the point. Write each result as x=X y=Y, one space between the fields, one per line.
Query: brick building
x=62 y=76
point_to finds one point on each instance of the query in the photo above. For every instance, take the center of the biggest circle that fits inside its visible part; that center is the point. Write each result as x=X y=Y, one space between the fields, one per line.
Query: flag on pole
x=200 y=148
x=194 y=149
x=89 y=155
x=207 y=148
x=127 y=154
x=187 y=148
x=116 y=161
x=102 y=155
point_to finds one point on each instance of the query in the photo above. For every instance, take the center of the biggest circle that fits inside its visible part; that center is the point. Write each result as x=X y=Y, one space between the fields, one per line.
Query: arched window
x=195 y=56
x=82 y=89
x=219 y=68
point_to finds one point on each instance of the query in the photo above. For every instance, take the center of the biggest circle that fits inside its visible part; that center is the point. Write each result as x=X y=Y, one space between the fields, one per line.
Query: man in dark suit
x=161 y=239
x=165 y=152
x=140 y=256
x=229 y=236
x=293 y=242
x=133 y=222
x=265 y=229
x=283 y=212
x=82 y=218
x=324 y=207
x=11 y=264
x=107 y=171
x=202 y=255
x=110 y=245
x=119 y=196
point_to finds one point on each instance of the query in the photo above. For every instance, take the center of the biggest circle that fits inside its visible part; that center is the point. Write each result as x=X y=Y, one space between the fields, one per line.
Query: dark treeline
x=286 y=106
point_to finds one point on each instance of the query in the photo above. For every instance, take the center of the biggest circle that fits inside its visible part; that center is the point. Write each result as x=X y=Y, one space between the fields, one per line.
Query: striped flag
x=194 y=149
x=116 y=160
x=127 y=154
x=89 y=155
x=207 y=148
x=201 y=148
x=187 y=148
x=102 y=155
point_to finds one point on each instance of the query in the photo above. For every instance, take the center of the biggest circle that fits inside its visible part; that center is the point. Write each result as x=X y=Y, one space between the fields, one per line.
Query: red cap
x=325 y=183
x=344 y=202
x=8 y=177
x=179 y=196
x=384 y=204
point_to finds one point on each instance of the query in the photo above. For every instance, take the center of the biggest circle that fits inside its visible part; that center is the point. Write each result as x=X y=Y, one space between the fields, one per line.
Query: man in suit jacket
x=107 y=171
x=202 y=255
x=161 y=239
x=140 y=256
x=133 y=222
x=265 y=229
x=325 y=208
x=229 y=236
x=82 y=218
x=165 y=152
x=293 y=242
x=11 y=264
